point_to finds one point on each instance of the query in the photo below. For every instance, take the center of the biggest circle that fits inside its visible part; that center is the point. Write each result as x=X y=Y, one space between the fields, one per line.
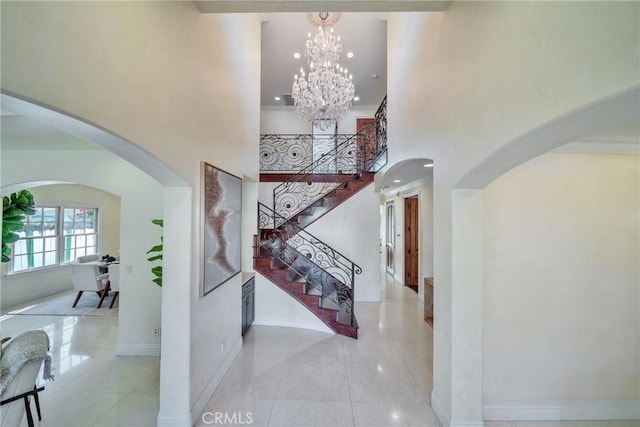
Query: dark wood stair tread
x=262 y=265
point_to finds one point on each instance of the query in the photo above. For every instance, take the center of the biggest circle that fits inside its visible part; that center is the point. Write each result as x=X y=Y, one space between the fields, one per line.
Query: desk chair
x=88 y=258
x=87 y=277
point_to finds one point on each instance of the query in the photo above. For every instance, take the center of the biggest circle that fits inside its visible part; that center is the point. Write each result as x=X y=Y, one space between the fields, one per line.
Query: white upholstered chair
x=88 y=258
x=20 y=363
x=87 y=277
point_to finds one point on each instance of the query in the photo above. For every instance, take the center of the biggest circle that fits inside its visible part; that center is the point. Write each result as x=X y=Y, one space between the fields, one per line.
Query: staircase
x=346 y=187
x=312 y=272
x=307 y=269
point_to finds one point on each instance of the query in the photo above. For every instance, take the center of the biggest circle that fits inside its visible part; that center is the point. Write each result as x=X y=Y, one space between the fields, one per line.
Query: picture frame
x=220 y=227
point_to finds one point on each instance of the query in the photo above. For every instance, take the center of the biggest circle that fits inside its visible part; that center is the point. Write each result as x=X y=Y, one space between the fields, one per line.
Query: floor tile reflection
x=296 y=377
x=92 y=385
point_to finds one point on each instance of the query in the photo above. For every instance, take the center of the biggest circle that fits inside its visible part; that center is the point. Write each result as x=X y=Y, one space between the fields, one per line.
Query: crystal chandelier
x=324 y=94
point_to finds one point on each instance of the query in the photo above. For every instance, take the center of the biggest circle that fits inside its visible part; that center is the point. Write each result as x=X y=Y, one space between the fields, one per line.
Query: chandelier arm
x=324 y=94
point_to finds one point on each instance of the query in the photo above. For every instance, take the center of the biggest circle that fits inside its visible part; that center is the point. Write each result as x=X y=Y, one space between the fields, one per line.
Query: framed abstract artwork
x=221 y=227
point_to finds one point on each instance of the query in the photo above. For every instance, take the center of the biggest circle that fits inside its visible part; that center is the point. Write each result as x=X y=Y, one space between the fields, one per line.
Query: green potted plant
x=14 y=209
x=157 y=256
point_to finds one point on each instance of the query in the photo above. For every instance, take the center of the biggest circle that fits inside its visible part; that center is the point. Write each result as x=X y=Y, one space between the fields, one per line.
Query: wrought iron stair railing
x=324 y=271
x=347 y=159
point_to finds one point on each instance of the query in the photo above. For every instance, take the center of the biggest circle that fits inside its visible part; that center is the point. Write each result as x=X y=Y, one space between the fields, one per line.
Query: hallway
x=295 y=377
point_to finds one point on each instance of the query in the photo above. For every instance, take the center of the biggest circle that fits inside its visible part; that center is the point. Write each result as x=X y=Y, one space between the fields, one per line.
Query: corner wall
x=561 y=288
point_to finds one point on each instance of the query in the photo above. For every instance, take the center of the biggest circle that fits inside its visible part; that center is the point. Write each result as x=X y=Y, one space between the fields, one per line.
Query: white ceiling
x=364 y=34
x=240 y=6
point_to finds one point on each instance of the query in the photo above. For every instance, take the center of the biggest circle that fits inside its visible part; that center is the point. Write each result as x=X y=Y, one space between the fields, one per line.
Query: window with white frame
x=80 y=232
x=55 y=235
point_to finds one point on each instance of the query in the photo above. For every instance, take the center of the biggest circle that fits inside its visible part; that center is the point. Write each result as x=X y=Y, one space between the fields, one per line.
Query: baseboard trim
x=438 y=409
x=274 y=321
x=138 y=350
x=204 y=398
x=562 y=410
x=167 y=419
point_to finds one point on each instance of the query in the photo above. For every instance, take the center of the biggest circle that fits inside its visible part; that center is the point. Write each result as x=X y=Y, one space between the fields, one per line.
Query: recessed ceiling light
x=277 y=98
x=349 y=54
x=296 y=55
x=396 y=180
x=428 y=165
x=356 y=98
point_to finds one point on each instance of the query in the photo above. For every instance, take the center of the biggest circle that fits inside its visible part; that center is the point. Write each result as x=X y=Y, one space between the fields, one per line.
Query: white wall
x=140 y=201
x=562 y=280
x=23 y=287
x=278 y=120
x=184 y=87
x=274 y=307
x=466 y=82
x=265 y=193
x=426 y=232
x=286 y=120
x=354 y=233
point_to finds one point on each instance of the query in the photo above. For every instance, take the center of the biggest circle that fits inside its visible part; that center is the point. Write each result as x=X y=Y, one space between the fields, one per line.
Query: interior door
x=411 y=242
x=366 y=128
x=390 y=240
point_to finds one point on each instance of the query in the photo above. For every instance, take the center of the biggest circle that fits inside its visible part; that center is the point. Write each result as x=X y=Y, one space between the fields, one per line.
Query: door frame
x=415 y=251
x=390 y=232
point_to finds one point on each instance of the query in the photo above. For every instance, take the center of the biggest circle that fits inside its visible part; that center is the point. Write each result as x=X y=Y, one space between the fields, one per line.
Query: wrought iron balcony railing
x=288 y=153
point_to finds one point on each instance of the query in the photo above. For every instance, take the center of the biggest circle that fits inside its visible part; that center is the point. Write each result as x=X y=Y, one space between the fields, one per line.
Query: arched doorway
x=174 y=204
x=467 y=227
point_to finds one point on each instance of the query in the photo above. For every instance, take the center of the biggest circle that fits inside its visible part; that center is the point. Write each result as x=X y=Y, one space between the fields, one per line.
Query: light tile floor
x=294 y=377
x=92 y=386
x=282 y=377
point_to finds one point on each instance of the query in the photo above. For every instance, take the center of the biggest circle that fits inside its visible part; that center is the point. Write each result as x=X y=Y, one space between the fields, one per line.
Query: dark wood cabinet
x=248 y=303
